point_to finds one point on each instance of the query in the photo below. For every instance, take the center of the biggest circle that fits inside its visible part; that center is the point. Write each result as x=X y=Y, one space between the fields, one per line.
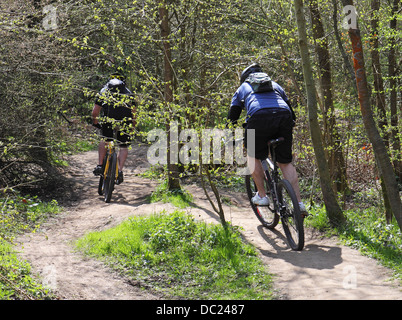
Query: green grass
x=367 y=231
x=179 y=198
x=16 y=281
x=181 y=258
x=20 y=214
x=23 y=213
x=71 y=144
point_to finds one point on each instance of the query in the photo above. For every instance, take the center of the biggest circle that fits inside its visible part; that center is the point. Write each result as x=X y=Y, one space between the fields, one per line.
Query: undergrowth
x=181 y=258
x=20 y=214
x=179 y=198
x=16 y=281
x=367 y=231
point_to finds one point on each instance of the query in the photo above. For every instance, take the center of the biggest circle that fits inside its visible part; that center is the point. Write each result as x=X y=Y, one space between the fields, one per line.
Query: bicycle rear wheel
x=290 y=215
x=266 y=214
x=110 y=178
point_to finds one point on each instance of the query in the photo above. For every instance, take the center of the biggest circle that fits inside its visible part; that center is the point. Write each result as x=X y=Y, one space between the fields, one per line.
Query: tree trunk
x=378 y=81
x=348 y=66
x=392 y=74
x=173 y=170
x=334 y=212
x=380 y=151
x=379 y=92
x=336 y=160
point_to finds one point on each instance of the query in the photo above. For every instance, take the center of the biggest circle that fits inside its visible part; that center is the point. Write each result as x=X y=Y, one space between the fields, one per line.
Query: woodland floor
x=324 y=270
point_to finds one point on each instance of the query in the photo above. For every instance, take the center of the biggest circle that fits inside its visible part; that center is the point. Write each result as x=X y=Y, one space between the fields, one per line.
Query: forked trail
x=323 y=270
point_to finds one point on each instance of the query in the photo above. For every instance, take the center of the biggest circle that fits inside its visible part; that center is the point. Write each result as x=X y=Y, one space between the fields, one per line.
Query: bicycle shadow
x=315 y=256
x=133 y=193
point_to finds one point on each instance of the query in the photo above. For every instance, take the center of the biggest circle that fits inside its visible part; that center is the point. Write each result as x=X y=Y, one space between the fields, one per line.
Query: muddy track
x=323 y=270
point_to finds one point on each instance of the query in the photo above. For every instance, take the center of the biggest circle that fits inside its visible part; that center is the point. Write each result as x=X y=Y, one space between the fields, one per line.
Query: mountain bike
x=283 y=203
x=110 y=171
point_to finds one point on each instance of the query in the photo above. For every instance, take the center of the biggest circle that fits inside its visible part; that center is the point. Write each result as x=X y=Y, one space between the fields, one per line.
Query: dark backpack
x=260 y=82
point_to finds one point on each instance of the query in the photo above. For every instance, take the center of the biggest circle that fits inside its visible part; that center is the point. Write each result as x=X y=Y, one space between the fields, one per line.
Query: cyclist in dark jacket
x=114 y=101
x=270 y=115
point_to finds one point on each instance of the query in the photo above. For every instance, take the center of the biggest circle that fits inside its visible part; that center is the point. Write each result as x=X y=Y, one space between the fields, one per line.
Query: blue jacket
x=245 y=98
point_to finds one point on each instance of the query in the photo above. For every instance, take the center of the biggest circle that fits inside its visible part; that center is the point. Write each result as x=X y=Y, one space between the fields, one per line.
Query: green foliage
x=16 y=281
x=58 y=73
x=52 y=76
x=368 y=231
x=23 y=213
x=179 y=198
x=20 y=214
x=174 y=254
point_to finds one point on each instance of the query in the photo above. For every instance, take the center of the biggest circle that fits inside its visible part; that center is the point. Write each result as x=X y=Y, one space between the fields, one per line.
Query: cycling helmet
x=117 y=75
x=116 y=85
x=255 y=67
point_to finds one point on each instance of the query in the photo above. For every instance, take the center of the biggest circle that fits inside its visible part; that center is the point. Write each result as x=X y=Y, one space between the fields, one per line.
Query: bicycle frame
x=284 y=201
x=270 y=168
x=110 y=170
x=110 y=147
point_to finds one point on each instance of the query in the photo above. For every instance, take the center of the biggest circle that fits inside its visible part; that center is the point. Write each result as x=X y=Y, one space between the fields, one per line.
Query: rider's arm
x=234 y=113
x=236 y=105
x=95 y=113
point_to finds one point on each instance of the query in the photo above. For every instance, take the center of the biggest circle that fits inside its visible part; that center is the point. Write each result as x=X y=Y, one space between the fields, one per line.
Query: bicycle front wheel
x=101 y=184
x=290 y=215
x=266 y=214
x=110 y=178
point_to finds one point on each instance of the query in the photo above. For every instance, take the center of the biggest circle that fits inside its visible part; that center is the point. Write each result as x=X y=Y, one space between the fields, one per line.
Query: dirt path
x=323 y=270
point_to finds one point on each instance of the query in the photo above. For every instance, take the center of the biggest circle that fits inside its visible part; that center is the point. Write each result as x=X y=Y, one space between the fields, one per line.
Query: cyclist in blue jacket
x=270 y=115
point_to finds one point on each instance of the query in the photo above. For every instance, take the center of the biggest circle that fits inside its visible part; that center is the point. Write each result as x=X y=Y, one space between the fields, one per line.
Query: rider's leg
x=101 y=152
x=106 y=133
x=122 y=157
x=124 y=143
x=258 y=175
x=289 y=173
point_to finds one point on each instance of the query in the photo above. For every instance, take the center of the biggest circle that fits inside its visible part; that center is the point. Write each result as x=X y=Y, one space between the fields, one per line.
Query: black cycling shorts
x=123 y=138
x=271 y=124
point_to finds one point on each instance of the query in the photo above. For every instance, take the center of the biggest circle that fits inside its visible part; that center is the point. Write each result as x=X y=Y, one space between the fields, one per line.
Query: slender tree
x=334 y=212
x=332 y=138
x=392 y=74
x=379 y=92
x=380 y=151
x=173 y=172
